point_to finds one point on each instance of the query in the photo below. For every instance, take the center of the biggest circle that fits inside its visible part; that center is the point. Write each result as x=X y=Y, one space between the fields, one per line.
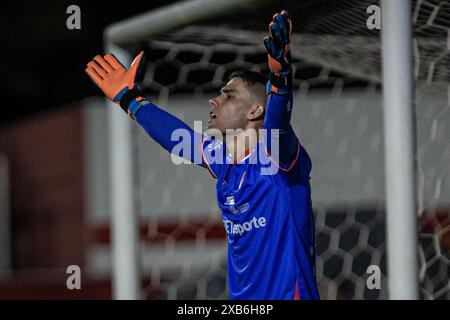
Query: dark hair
x=257 y=83
x=250 y=77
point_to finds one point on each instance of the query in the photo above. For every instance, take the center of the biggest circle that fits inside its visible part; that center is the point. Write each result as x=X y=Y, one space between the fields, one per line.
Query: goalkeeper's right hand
x=116 y=82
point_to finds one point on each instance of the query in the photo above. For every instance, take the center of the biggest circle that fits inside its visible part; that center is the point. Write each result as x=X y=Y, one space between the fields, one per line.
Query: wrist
x=131 y=101
x=279 y=83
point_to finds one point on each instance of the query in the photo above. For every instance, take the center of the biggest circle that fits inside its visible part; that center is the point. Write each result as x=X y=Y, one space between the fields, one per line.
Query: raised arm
x=120 y=86
x=279 y=88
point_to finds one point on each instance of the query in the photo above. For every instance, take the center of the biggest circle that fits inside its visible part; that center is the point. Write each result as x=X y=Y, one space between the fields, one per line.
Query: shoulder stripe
x=200 y=147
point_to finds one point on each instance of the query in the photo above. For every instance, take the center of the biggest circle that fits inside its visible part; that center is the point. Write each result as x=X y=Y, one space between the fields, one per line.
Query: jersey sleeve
x=281 y=142
x=179 y=139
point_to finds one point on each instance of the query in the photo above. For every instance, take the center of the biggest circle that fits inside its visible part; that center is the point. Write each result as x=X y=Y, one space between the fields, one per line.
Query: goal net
x=338 y=118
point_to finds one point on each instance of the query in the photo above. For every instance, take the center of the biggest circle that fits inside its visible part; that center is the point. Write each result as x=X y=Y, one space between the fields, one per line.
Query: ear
x=256 y=112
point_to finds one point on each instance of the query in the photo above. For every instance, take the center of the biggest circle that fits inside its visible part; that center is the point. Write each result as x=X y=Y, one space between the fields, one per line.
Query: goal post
x=125 y=255
x=146 y=25
x=398 y=110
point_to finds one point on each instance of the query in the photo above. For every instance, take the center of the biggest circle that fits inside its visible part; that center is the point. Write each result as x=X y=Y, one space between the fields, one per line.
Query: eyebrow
x=227 y=90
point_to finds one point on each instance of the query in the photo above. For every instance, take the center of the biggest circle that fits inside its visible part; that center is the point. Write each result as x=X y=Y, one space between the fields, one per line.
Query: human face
x=229 y=110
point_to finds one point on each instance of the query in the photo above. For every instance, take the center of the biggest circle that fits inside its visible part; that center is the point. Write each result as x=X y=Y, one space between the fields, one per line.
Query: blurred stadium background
x=54 y=179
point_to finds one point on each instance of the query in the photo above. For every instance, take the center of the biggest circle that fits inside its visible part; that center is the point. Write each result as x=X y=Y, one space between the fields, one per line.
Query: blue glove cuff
x=130 y=101
x=134 y=107
x=279 y=83
x=120 y=94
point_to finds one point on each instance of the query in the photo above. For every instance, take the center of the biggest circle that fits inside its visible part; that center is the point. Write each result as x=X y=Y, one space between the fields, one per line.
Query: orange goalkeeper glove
x=116 y=82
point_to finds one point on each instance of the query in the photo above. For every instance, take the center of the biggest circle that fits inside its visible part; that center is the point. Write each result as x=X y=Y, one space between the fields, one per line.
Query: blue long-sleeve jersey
x=267 y=213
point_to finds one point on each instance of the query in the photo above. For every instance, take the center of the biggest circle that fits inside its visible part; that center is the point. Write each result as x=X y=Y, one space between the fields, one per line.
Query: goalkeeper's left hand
x=279 y=53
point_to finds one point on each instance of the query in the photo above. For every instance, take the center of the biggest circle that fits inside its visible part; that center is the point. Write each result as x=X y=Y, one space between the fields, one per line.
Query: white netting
x=338 y=118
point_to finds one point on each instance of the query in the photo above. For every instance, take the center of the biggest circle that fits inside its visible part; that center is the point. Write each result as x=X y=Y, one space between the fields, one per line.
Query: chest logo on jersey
x=241 y=228
x=229 y=201
x=240 y=209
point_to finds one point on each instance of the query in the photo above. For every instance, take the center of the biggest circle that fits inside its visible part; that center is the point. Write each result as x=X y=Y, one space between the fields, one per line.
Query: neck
x=241 y=143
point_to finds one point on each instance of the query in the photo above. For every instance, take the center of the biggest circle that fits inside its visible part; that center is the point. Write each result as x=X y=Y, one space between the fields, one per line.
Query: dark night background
x=42 y=62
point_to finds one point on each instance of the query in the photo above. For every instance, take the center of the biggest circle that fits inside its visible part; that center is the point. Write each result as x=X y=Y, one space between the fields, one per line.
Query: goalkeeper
x=268 y=217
